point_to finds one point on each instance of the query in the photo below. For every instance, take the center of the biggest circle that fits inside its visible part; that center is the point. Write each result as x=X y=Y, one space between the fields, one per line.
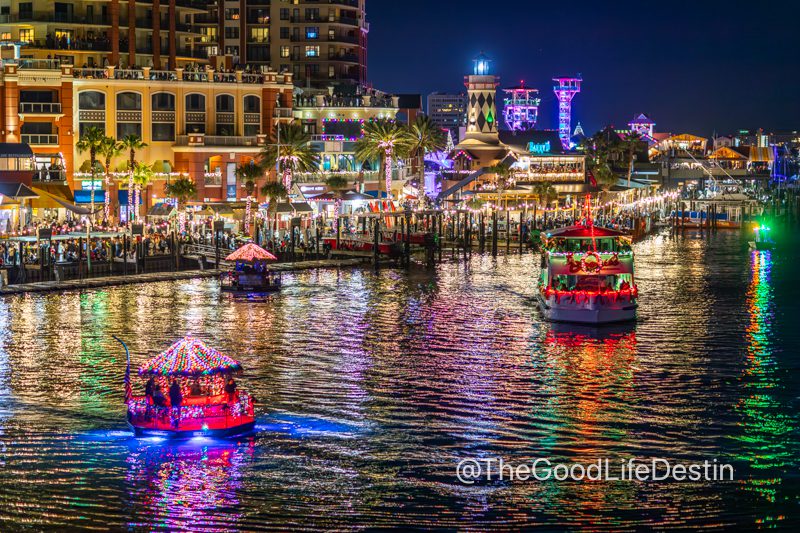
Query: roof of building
x=641 y=118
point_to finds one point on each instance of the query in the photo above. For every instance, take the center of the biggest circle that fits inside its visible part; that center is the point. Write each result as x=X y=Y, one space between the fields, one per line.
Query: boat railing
x=142 y=414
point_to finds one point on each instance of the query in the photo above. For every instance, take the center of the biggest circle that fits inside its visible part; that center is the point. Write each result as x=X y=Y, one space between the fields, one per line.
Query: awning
x=85 y=197
x=302 y=207
x=284 y=208
x=351 y=196
x=761 y=154
x=15 y=150
x=17 y=191
x=59 y=190
x=161 y=210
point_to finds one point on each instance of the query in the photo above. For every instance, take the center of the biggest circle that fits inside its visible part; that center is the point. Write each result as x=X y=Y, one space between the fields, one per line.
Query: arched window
x=92 y=105
x=163 y=113
x=252 y=115
x=195 y=102
x=225 y=115
x=127 y=123
x=195 y=113
x=129 y=102
x=92 y=101
x=225 y=103
x=163 y=102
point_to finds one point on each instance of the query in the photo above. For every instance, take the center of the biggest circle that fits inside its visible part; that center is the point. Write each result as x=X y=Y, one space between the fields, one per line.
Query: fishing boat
x=250 y=273
x=762 y=240
x=587 y=274
x=190 y=392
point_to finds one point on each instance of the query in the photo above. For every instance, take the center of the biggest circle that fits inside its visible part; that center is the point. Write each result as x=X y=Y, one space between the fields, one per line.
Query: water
x=371 y=388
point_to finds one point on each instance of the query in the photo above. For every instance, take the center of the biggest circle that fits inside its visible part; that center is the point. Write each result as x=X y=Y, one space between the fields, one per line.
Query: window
x=285 y=52
x=251 y=130
x=331 y=71
x=195 y=102
x=163 y=131
x=312 y=32
x=163 y=102
x=259 y=35
x=232 y=14
x=83 y=127
x=224 y=103
x=252 y=104
x=285 y=32
x=5 y=36
x=312 y=14
x=312 y=51
x=284 y=13
x=129 y=101
x=224 y=129
x=128 y=128
x=231 y=32
x=92 y=100
x=26 y=10
x=26 y=35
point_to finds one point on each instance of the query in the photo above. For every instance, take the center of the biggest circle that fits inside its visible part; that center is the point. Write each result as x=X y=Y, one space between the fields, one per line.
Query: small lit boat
x=250 y=273
x=762 y=240
x=587 y=275
x=210 y=403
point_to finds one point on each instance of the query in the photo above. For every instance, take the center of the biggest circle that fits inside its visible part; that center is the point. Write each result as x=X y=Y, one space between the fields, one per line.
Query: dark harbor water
x=372 y=388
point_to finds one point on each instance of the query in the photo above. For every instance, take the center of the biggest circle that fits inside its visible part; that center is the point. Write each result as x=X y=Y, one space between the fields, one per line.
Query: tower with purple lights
x=566 y=89
x=521 y=107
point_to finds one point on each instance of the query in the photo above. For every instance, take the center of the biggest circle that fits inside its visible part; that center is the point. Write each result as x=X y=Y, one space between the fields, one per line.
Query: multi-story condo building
x=156 y=33
x=199 y=123
x=319 y=41
x=448 y=111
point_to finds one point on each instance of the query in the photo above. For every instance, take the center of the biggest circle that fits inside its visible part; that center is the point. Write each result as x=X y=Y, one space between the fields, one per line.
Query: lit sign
x=540 y=148
x=312 y=188
x=88 y=185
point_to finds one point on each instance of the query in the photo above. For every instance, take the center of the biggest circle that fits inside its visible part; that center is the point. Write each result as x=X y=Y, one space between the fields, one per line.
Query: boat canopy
x=189 y=357
x=251 y=252
x=584 y=232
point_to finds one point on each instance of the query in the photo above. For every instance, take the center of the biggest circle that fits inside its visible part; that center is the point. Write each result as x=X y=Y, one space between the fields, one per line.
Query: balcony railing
x=217 y=140
x=282 y=112
x=175 y=75
x=50 y=175
x=40 y=139
x=36 y=108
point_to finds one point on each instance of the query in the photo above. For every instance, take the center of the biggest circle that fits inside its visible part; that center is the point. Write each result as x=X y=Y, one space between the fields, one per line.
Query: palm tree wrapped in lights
x=291 y=151
x=91 y=141
x=383 y=139
x=142 y=176
x=131 y=143
x=248 y=173
x=425 y=137
x=273 y=191
x=109 y=149
x=182 y=189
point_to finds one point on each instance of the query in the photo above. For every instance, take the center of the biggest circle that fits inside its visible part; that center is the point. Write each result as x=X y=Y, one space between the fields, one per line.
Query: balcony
x=50 y=176
x=282 y=112
x=339 y=38
x=37 y=108
x=40 y=139
x=199 y=139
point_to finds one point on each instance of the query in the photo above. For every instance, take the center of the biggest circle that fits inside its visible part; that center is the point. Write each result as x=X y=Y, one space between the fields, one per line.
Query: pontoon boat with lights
x=210 y=404
x=250 y=273
x=762 y=240
x=587 y=275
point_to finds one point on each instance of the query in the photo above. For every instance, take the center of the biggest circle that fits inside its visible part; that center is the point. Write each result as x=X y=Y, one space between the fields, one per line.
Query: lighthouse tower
x=481 y=100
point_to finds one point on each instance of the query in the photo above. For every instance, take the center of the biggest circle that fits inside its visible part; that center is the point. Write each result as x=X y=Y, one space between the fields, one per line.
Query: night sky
x=695 y=66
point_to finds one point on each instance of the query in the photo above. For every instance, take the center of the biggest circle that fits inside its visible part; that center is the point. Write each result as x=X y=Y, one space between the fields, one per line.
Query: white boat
x=587 y=276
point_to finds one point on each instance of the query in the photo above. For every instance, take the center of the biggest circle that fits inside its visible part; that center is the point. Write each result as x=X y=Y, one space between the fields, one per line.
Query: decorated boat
x=250 y=272
x=190 y=391
x=762 y=240
x=587 y=274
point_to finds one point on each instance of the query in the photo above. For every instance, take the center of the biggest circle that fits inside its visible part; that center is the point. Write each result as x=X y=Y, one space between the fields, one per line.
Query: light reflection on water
x=371 y=388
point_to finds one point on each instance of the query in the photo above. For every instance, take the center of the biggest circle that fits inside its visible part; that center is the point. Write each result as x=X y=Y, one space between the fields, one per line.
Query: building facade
x=318 y=42
x=194 y=123
x=448 y=111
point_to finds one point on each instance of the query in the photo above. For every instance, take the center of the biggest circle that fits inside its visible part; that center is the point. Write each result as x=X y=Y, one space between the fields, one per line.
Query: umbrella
x=251 y=252
x=189 y=357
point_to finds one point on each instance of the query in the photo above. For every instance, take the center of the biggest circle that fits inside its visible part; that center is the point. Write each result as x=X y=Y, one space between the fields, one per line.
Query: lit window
x=312 y=32
x=26 y=35
x=312 y=51
x=285 y=51
x=5 y=36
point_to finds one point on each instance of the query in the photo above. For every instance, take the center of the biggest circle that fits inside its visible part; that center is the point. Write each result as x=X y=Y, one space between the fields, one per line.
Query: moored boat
x=587 y=275
x=190 y=392
x=762 y=240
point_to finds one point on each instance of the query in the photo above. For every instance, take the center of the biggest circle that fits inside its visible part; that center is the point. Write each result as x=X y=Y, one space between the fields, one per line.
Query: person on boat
x=195 y=390
x=149 y=389
x=624 y=286
x=175 y=400
x=230 y=389
x=158 y=397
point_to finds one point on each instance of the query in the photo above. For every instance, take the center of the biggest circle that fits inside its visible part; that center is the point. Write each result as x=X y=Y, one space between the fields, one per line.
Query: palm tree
x=274 y=191
x=182 y=189
x=131 y=143
x=630 y=144
x=142 y=176
x=425 y=137
x=504 y=178
x=337 y=184
x=545 y=192
x=293 y=154
x=248 y=173
x=109 y=149
x=91 y=141
x=383 y=139
x=598 y=149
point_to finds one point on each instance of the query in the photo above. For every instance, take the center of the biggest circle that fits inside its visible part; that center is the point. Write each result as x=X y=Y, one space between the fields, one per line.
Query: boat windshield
x=592 y=283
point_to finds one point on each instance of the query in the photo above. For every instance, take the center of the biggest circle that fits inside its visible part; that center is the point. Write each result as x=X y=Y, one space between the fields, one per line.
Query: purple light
x=565 y=89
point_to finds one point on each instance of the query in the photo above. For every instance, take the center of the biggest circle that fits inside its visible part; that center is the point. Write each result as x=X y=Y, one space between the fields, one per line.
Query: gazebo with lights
x=210 y=403
x=250 y=273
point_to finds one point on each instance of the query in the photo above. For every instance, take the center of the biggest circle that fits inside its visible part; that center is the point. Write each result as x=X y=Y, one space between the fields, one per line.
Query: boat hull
x=594 y=313
x=221 y=433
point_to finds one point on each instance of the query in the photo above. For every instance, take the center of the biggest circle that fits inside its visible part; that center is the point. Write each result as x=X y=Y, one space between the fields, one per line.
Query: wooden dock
x=152 y=277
